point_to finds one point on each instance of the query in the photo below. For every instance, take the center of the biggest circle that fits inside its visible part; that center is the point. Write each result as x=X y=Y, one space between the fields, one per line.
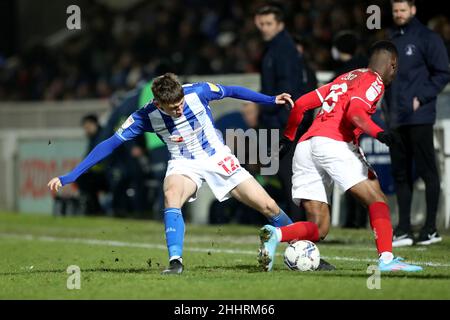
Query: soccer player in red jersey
x=329 y=153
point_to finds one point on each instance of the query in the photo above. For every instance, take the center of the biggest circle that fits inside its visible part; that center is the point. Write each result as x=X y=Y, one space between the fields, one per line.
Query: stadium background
x=50 y=77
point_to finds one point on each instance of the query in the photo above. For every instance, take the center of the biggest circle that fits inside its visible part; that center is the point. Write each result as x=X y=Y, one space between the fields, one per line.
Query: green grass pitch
x=123 y=258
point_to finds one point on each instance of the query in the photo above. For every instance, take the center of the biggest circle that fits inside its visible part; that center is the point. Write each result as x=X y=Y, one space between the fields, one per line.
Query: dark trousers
x=415 y=144
x=285 y=175
x=90 y=184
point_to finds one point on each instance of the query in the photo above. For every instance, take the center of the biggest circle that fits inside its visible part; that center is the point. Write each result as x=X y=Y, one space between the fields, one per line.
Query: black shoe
x=428 y=237
x=325 y=266
x=402 y=238
x=175 y=267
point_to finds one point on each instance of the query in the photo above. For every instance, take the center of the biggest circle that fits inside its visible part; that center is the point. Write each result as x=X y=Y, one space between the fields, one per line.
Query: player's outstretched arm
x=311 y=100
x=101 y=151
x=242 y=93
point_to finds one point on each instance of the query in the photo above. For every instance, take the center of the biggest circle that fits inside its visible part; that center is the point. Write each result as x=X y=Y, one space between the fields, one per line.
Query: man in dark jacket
x=281 y=69
x=309 y=79
x=94 y=180
x=410 y=102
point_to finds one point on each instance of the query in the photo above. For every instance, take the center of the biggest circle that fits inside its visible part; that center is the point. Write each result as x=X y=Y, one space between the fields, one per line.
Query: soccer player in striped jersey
x=181 y=117
x=329 y=153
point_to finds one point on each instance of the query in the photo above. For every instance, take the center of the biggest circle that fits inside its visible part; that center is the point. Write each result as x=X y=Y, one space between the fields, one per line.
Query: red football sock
x=304 y=230
x=380 y=221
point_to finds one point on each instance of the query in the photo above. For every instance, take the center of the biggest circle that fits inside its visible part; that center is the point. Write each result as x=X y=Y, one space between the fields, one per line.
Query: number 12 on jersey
x=229 y=165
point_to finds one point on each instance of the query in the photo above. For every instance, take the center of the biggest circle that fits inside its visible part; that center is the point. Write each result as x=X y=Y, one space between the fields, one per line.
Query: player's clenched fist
x=284 y=98
x=54 y=184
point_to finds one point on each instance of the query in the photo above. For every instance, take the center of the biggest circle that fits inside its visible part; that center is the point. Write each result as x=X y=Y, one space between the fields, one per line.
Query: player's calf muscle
x=322 y=223
x=368 y=192
x=324 y=228
x=253 y=194
x=318 y=212
x=269 y=207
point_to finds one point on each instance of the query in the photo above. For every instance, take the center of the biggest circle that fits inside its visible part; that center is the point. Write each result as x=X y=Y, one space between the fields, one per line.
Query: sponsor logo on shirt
x=128 y=122
x=410 y=50
x=373 y=91
x=213 y=87
x=176 y=138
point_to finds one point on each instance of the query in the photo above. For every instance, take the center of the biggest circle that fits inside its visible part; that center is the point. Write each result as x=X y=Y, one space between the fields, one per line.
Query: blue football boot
x=397 y=265
x=269 y=242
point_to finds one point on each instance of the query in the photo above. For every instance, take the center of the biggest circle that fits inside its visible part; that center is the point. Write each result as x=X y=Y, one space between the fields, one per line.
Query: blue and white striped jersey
x=191 y=136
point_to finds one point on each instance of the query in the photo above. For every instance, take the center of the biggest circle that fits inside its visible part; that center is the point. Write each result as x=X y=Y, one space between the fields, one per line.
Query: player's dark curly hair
x=167 y=89
x=383 y=45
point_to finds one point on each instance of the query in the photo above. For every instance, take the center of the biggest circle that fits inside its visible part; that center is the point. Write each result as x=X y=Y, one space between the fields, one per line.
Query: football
x=302 y=256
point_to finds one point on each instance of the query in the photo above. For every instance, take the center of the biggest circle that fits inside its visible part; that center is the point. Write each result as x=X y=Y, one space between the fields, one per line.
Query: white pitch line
x=115 y=243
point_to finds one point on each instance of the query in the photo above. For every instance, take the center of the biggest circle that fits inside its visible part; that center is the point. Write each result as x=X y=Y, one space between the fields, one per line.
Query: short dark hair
x=89 y=118
x=383 y=45
x=271 y=9
x=346 y=41
x=167 y=89
x=410 y=2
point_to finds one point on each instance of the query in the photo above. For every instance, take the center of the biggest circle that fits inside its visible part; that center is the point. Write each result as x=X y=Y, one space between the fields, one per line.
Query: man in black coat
x=410 y=105
x=281 y=71
x=94 y=180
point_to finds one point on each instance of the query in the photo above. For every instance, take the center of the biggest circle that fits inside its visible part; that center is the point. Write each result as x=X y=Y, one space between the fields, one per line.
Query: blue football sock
x=174 y=226
x=280 y=220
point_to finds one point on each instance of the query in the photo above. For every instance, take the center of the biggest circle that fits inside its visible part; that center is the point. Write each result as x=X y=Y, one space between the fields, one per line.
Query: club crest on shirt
x=128 y=122
x=213 y=87
x=176 y=138
x=373 y=91
x=410 y=50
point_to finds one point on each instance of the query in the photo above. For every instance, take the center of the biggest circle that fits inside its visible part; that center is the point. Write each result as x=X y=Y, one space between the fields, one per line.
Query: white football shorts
x=222 y=172
x=320 y=161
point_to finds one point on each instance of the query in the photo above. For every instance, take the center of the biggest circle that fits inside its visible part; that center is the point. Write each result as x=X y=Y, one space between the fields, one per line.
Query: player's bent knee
x=171 y=195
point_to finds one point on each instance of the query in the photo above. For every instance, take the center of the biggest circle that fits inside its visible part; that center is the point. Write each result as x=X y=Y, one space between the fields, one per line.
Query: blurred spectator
x=115 y=49
x=94 y=181
x=281 y=71
x=441 y=25
x=423 y=71
x=309 y=78
x=345 y=52
x=310 y=83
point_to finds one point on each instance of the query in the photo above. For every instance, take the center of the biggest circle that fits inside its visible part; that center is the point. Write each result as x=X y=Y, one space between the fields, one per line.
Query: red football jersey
x=363 y=84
